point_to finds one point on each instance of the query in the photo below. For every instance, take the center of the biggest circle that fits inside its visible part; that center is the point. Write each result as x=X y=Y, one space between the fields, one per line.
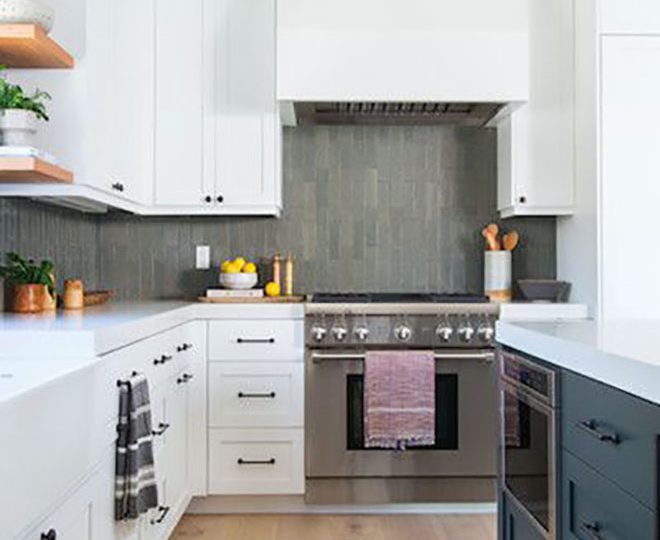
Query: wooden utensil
x=490 y=234
x=510 y=240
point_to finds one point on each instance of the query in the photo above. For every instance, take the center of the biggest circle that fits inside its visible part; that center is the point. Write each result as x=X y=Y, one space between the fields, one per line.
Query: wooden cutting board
x=295 y=299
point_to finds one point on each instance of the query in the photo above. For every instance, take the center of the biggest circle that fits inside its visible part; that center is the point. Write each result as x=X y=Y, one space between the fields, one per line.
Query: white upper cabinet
x=414 y=50
x=180 y=79
x=217 y=126
x=630 y=17
x=119 y=118
x=247 y=140
x=536 y=143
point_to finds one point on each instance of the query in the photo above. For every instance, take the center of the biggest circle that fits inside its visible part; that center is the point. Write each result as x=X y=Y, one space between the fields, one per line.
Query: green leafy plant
x=19 y=271
x=13 y=97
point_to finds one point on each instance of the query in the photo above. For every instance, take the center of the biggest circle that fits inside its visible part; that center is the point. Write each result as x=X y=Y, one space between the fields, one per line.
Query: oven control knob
x=465 y=333
x=444 y=332
x=402 y=332
x=361 y=333
x=486 y=332
x=318 y=333
x=339 y=332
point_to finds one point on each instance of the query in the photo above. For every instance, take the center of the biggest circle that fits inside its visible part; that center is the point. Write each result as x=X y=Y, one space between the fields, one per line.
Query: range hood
x=393 y=62
x=395 y=113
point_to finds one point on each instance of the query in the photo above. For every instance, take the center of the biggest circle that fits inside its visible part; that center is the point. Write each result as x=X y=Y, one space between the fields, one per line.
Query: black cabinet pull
x=208 y=199
x=220 y=198
x=118 y=186
x=592 y=530
x=164 y=510
x=162 y=360
x=50 y=535
x=255 y=340
x=184 y=378
x=242 y=461
x=522 y=200
x=162 y=428
x=184 y=347
x=590 y=427
x=269 y=395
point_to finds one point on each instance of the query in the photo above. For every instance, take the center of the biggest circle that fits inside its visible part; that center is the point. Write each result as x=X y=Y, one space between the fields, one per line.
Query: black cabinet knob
x=118 y=186
x=220 y=198
x=522 y=200
x=208 y=198
x=50 y=535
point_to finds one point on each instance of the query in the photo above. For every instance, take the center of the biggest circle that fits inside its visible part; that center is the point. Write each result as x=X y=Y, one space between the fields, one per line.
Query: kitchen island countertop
x=623 y=354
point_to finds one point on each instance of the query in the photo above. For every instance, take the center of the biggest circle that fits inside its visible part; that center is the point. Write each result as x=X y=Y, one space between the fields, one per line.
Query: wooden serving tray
x=295 y=299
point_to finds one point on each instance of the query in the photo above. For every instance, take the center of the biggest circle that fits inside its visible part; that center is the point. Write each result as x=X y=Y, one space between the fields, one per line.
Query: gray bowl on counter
x=545 y=290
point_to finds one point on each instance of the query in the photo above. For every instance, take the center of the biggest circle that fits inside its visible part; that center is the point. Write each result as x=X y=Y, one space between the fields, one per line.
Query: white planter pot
x=17 y=128
x=26 y=12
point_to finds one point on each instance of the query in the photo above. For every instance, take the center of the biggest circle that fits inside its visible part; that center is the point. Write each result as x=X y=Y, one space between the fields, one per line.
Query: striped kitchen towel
x=135 y=479
x=399 y=399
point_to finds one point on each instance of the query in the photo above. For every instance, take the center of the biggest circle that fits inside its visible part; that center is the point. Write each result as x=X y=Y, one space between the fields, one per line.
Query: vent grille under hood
x=395 y=113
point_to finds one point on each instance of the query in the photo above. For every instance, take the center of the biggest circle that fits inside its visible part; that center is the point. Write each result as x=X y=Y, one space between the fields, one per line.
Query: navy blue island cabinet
x=603 y=450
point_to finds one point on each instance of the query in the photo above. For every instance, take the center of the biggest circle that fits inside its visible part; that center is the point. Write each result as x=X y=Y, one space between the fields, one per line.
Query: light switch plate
x=203 y=258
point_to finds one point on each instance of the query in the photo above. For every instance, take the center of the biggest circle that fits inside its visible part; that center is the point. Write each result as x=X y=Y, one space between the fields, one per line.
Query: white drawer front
x=256 y=394
x=264 y=340
x=256 y=462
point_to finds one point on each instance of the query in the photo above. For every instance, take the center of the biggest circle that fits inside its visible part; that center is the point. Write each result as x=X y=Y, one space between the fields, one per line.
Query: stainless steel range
x=461 y=466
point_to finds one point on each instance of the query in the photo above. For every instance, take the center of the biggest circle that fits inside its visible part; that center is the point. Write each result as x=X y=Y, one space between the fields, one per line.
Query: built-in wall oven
x=529 y=429
x=460 y=466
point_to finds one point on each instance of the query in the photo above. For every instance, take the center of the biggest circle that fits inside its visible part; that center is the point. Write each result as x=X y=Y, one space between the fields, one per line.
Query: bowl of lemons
x=238 y=274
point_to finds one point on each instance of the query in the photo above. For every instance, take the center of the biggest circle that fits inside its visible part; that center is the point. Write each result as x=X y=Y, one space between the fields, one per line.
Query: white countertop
x=623 y=354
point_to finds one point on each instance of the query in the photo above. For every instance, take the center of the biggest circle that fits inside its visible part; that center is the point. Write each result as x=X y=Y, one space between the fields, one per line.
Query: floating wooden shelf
x=28 y=46
x=29 y=169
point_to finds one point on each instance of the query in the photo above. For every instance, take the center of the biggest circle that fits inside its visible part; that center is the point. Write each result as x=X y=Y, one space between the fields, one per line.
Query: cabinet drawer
x=256 y=462
x=263 y=340
x=255 y=394
x=594 y=507
x=613 y=432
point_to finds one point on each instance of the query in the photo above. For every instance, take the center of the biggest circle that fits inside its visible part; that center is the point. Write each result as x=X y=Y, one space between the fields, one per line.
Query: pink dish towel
x=399 y=399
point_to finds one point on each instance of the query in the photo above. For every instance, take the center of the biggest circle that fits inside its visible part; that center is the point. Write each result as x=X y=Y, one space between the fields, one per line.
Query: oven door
x=527 y=445
x=466 y=420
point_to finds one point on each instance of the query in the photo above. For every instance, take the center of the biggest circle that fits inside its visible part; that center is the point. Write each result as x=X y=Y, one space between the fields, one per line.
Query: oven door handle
x=482 y=356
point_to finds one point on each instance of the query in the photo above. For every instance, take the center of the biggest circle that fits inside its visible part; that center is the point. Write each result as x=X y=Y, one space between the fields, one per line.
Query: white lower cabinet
x=243 y=394
x=256 y=406
x=256 y=461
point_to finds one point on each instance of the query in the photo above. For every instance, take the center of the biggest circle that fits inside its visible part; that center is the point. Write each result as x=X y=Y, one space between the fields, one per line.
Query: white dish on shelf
x=240 y=281
x=27 y=12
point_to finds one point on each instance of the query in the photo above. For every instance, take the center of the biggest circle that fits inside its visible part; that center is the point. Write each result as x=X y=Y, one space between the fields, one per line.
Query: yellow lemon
x=240 y=262
x=250 y=268
x=232 y=268
x=224 y=265
x=272 y=289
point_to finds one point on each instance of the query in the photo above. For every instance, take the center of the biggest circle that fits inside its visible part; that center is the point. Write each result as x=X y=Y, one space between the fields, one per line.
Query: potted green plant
x=31 y=286
x=19 y=114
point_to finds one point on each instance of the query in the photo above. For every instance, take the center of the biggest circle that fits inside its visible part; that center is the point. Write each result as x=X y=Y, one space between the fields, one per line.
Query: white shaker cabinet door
x=630 y=175
x=626 y=17
x=180 y=94
x=246 y=119
x=119 y=65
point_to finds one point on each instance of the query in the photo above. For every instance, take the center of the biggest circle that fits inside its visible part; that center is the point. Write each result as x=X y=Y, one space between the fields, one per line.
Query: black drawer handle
x=184 y=378
x=242 y=461
x=184 y=347
x=162 y=428
x=590 y=427
x=255 y=340
x=118 y=186
x=164 y=510
x=162 y=360
x=592 y=530
x=247 y=395
x=50 y=535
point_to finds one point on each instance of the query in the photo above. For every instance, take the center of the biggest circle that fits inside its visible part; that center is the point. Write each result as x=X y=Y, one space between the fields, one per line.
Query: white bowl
x=27 y=12
x=240 y=281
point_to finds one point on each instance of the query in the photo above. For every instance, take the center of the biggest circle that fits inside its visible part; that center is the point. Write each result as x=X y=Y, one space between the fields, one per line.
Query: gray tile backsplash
x=365 y=208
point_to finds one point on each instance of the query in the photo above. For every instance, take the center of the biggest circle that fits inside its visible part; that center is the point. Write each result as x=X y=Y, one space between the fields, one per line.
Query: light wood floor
x=336 y=527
